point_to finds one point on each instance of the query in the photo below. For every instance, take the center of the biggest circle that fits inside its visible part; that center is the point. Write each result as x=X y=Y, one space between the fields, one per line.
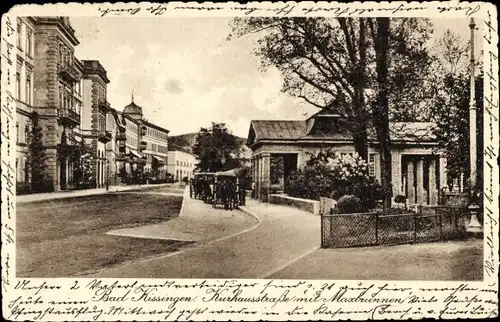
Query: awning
x=229 y=173
x=159 y=160
x=135 y=154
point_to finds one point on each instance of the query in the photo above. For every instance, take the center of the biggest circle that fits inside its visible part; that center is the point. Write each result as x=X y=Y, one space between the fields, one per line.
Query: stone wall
x=312 y=206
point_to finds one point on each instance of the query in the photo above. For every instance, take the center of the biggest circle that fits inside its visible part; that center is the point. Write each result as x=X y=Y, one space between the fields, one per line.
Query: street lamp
x=474 y=225
x=107 y=174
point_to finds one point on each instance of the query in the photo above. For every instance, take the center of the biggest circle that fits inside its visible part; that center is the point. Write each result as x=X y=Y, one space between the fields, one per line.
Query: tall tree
x=380 y=106
x=215 y=147
x=36 y=155
x=450 y=109
x=366 y=69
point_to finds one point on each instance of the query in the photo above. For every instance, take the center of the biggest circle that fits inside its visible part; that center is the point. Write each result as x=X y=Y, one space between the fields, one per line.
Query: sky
x=185 y=74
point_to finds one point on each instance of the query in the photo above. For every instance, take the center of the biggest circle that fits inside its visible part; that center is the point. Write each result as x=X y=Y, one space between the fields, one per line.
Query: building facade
x=24 y=97
x=418 y=169
x=94 y=120
x=56 y=75
x=144 y=151
x=86 y=143
x=156 y=151
x=181 y=163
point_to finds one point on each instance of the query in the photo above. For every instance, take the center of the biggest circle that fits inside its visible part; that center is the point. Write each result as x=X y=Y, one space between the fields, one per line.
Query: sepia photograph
x=287 y=147
x=262 y=147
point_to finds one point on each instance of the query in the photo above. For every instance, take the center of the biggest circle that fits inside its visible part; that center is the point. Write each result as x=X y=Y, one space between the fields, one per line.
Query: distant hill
x=187 y=141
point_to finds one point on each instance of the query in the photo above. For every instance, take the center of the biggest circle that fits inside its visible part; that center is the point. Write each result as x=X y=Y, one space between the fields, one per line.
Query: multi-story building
x=134 y=162
x=156 y=151
x=94 y=119
x=56 y=74
x=85 y=141
x=181 y=163
x=24 y=96
x=145 y=149
x=114 y=126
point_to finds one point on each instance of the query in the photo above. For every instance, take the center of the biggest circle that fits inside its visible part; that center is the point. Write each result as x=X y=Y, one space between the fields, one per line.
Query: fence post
x=376 y=228
x=414 y=228
x=322 y=231
x=441 y=225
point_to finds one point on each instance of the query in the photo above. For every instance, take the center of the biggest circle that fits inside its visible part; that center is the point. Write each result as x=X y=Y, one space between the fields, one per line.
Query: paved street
x=159 y=232
x=67 y=237
x=255 y=252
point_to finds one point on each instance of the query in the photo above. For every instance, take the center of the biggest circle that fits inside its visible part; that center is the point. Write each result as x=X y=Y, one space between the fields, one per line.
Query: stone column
x=420 y=181
x=433 y=193
x=410 y=194
x=266 y=176
x=396 y=173
x=443 y=182
x=254 y=177
x=258 y=181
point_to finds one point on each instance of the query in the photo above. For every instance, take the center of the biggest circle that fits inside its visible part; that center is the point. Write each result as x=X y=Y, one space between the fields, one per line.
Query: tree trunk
x=381 y=106
x=360 y=139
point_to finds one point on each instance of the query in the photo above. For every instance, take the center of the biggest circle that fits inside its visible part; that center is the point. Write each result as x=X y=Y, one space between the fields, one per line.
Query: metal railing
x=428 y=224
x=69 y=114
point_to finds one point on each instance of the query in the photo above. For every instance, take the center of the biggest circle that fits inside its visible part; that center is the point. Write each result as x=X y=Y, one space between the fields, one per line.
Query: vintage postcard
x=259 y=161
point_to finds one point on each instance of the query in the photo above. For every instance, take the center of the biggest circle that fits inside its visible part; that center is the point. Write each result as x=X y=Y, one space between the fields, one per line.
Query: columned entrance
x=270 y=172
x=421 y=178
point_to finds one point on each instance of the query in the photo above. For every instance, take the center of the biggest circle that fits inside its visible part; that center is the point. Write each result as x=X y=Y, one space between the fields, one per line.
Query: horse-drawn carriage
x=226 y=190
x=202 y=186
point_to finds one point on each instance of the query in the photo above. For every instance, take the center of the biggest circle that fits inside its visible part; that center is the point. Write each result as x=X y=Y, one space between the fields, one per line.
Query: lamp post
x=107 y=174
x=474 y=225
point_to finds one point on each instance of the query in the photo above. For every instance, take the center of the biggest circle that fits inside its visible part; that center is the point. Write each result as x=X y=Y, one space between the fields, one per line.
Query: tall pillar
x=396 y=173
x=258 y=182
x=410 y=177
x=433 y=193
x=266 y=176
x=443 y=180
x=420 y=181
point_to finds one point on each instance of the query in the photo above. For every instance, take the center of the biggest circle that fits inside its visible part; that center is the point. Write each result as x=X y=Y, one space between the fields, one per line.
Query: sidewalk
x=197 y=222
x=81 y=193
x=281 y=236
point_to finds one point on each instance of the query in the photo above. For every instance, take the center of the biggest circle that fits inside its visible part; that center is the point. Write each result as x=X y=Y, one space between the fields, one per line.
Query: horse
x=228 y=194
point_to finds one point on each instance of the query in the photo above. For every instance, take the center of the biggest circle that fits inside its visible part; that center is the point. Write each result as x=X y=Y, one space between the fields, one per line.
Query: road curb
x=112 y=190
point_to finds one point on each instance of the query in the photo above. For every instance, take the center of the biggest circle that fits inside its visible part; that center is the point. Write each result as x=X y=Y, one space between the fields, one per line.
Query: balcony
x=68 y=117
x=121 y=136
x=105 y=106
x=143 y=145
x=121 y=157
x=104 y=136
x=67 y=72
x=69 y=149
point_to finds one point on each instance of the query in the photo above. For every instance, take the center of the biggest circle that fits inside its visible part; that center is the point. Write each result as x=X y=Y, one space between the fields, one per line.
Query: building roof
x=277 y=130
x=132 y=108
x=157 y=127
x=173 y=147
x=94 y=67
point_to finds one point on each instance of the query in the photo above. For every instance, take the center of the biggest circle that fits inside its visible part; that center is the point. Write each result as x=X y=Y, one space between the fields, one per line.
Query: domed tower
x=133 y=110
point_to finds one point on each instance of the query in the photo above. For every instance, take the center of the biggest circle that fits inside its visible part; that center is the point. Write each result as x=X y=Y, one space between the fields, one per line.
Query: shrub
x=349 y=204
x=400 y=199
x=334 y=176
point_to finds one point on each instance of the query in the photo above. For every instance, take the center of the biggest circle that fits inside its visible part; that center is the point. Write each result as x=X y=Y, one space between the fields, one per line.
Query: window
x=28 y=90
x=29 y=37
x=18 y=85
x=26 y=133
x=17 y=132
x=19 y=35
x=177 y=162
x=371 y=164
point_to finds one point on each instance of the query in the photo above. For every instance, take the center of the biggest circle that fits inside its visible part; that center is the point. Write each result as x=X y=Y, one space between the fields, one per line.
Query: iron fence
x=427 y=224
